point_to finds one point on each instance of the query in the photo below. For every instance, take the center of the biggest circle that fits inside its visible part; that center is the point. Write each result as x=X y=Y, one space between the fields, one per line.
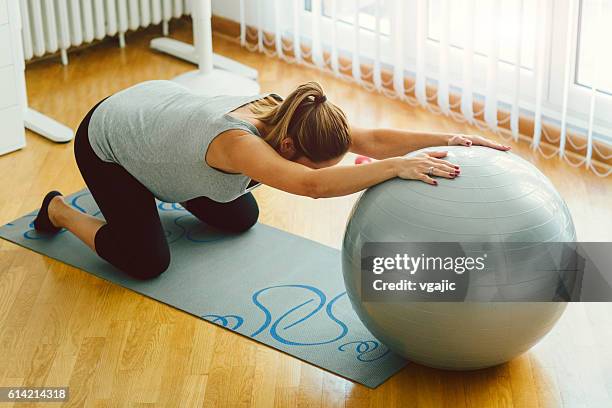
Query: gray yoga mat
x=274 y=287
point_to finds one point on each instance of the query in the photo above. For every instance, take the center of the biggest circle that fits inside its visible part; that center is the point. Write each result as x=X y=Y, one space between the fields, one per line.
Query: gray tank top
x=160 y=132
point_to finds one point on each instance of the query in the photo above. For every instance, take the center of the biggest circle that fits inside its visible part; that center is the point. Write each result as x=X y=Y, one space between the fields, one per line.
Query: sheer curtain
x=510 y=66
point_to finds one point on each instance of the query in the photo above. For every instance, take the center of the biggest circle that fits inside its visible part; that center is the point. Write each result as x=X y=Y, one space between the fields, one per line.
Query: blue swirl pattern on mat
x=225 y=320
x=274 y=331
x=366 y=351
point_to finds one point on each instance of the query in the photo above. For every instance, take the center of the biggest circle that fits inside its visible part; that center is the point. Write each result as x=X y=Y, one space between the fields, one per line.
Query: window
x=367 y=13
x=588 y=37
x=483 y=9
x=594 y=56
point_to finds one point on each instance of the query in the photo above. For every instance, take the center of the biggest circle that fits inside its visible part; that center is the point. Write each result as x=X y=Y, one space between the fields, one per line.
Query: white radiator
x=49 y=26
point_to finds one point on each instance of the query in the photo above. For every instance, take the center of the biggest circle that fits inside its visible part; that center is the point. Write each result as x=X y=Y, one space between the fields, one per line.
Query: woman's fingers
x=443 y=171
x=437 y=170
x=434 y=157
x=466 y=140
x=463 y=141
x=494 y=145
x=444 y=162
x=460 y=140
x=426 y=179
x=426 y=167
x=443 y=167
x=489 y=143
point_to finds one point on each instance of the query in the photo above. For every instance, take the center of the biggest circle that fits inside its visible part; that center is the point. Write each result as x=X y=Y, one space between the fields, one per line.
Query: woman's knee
x=246 y=215
x=235 y=216
x=143 y=257
x=244 y=221
x=148 y=266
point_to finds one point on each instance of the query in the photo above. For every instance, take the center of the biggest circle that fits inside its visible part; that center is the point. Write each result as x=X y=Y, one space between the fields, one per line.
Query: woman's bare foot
x=57 y=208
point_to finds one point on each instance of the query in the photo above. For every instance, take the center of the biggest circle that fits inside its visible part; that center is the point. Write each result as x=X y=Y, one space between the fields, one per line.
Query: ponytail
x=318 y=128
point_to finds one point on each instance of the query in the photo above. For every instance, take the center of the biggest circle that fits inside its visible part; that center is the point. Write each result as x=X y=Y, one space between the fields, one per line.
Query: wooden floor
x=60 y=326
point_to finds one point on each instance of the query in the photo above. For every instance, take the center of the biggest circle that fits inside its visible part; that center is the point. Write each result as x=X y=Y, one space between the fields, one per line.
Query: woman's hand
x=425 y=166
x=467 y=140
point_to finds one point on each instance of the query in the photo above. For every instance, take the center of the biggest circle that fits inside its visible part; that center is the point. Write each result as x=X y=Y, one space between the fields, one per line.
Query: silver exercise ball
x=499 y=197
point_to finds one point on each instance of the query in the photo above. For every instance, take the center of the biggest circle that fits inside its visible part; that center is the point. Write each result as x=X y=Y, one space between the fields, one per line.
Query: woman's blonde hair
x=319 y=129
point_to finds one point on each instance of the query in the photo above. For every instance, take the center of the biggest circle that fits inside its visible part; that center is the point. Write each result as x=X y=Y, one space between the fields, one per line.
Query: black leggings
x=133 y=239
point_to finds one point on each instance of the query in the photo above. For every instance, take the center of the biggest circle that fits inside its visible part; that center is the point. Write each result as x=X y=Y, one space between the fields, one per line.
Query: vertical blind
x=333 y=35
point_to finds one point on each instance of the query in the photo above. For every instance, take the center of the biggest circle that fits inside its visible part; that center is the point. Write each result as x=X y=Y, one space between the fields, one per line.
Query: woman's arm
x=385 y=143
x=249 y=155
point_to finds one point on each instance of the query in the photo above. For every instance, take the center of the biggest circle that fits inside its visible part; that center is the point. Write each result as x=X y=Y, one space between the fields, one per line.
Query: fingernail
x=435 y=183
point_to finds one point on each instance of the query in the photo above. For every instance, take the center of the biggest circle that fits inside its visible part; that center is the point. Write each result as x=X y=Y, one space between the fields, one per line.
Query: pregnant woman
x=159 y=140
